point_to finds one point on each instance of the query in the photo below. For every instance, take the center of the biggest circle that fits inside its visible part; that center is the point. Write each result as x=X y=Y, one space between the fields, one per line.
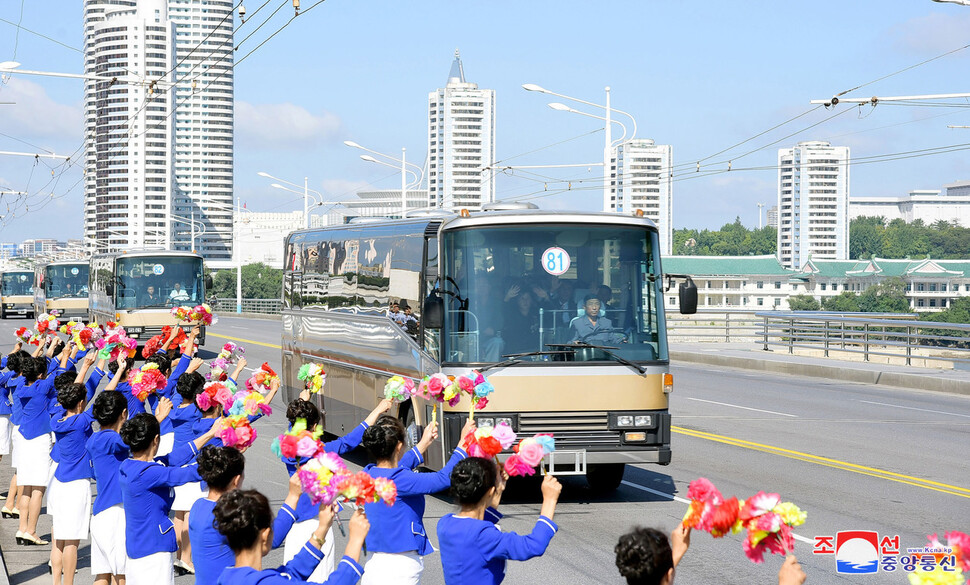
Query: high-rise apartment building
x=128 y=128
x=813 y=203
x=461 y=142
x=641 y=179
x=203 y=125
x=159 y=155
x=773 y=216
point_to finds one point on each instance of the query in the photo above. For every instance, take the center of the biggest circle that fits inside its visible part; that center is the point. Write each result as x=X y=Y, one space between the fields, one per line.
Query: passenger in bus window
x=150 y=297
x=521 y=330
x=394 y=312
x=591 y=328
x=178 y=293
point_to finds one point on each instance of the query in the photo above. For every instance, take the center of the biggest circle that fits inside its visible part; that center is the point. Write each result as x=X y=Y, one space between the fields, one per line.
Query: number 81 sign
x=555 y=261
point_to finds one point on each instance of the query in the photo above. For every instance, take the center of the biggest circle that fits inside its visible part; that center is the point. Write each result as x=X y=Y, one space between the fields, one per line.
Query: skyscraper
x=641 y=179
x=128 y=130
x=813 y=203
x=461 y=142
x=203 y=125
x=159 y=158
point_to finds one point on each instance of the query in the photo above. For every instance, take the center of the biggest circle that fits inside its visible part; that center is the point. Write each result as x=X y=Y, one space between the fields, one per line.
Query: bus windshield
x=146 y=282
x=17 y=283
x=523 y=289
x=66 y=281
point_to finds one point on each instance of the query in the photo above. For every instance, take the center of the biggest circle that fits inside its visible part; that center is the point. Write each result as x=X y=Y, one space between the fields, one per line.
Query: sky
x=701 y=76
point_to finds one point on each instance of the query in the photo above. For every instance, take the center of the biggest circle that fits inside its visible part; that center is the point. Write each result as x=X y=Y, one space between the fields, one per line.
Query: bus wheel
x=411 y=431
x=605 y=477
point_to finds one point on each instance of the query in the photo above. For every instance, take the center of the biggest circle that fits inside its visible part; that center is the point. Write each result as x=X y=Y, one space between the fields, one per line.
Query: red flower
x=288 y=445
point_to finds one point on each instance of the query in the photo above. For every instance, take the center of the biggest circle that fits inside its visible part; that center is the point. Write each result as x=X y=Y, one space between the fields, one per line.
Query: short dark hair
x=139 y=431
x=219 y=465
x=71 y=395
x=382 y=438
x=304 y=409
x=108 y=407
x=32 y=368
x=240 y=515
x=189 y=385
x=162 y=360
x=471 y=479
x=63 y=380
x=643 y=556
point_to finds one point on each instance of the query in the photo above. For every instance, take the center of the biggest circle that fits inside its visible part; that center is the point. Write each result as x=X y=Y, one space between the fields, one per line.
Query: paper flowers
x=529 y=453
x=199 y=313
x=298 y=442
x=146 y=380
x=262 y=379
x=152 y=346
x=767 y=519
x=478 y=388
x=438 y=388
x=360 y=488
x=47 y=323
x=114 y=343
x=85 y=336
x=219 y=367
x=231 y=352
x=216 y=393
x=250 y=403
x=960 y=543
x=235 y=431
x=488 y=442
x=314 y=376
x=25 y=335
x=316 y=477
x=399 y=388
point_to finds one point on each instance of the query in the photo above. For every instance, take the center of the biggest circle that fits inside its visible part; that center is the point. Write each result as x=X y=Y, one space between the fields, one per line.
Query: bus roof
x=450 y=221
x=140 y=253
x=40 y=265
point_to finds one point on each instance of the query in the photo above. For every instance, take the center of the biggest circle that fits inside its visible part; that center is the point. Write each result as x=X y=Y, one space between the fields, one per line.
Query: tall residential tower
x=813 y=203
x=641 y=179
x=461 y=142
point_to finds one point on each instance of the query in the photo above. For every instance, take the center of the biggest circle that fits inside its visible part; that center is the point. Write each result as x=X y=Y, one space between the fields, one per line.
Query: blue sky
x=699 y=75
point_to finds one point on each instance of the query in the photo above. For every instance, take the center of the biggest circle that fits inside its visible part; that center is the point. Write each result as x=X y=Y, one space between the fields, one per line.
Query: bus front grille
x=571 y=429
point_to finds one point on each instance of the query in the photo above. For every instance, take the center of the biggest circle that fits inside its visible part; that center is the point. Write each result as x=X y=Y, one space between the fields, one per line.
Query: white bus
x=62 y=287
x=511 y=292
x=17 y=293
x=137 y=289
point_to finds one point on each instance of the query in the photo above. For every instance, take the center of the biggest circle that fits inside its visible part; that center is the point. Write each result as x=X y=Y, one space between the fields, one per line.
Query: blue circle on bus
x=74 y=271
x=158 y=269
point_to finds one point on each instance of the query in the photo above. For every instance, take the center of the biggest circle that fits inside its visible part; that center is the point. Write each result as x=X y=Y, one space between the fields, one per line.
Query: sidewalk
x=28 y=564
x=751 y=356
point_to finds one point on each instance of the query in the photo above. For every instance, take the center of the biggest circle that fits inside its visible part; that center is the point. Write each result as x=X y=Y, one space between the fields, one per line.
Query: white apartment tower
x=813 y=203
x=159 y=157
x=641 y=179
x=461 y=142
x=128 y=128
x=203 y=126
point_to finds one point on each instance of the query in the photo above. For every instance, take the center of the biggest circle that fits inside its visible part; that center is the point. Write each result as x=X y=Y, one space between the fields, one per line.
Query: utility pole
x=760 y=205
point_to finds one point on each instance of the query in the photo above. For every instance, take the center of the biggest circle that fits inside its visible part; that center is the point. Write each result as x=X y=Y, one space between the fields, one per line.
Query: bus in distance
x=62 y=287
x=137 y=289
x=562 y=311
x=17 y=293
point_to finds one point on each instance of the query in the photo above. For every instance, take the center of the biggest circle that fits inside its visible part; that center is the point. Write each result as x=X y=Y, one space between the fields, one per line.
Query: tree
x=846 y=302
x=259 y=281
x=866 y=237
x=888 y=296
x=733 y=239
x=803 y=303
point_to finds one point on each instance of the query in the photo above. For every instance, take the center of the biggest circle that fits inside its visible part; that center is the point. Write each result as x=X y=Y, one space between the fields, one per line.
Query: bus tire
x=411 y=430
x=604 y=477
x=3 y=314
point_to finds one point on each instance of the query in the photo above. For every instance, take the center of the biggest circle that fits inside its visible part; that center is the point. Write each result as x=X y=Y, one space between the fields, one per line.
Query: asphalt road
x=855 y=457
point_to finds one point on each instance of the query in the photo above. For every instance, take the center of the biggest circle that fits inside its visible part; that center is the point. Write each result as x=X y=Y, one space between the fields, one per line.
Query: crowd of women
x=170 y=499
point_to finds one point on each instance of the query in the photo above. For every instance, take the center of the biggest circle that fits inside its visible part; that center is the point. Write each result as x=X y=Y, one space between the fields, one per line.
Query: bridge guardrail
x=258 y=306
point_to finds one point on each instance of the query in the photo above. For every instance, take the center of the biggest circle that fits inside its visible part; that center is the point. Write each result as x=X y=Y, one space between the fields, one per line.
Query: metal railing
x=884 y=335
x=258 y=306
x=712 y=325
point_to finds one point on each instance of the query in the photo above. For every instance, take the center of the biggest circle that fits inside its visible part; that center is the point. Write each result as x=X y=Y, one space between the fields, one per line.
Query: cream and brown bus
x=138 y=288
x=562 y=311
x=17 y=293
x=62 y=287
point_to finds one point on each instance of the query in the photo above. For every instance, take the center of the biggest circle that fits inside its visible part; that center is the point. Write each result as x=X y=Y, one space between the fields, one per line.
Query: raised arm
x=238 y=370
x=382 y=407
x=171 y=337
x=116 y=379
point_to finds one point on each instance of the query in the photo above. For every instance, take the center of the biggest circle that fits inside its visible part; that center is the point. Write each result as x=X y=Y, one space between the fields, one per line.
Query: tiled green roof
x=885 y=267
x=725 y=266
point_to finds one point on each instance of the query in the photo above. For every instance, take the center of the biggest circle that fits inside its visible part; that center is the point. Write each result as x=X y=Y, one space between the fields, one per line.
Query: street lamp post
x=608 y=130
x=306 y=193
x=404 y=169
x=236 y=251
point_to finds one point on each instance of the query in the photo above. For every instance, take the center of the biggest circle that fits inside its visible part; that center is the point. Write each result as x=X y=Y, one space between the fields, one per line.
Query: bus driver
x=591 y=328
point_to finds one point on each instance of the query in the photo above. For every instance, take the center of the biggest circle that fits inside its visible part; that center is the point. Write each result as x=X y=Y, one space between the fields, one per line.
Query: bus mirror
x=433 y=312
x=109 y=288
x=687 y=291
x=208 y=282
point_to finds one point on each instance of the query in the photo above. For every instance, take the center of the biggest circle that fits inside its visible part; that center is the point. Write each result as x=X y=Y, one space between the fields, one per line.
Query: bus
x=62 y=287
x=562 y=311
x=137 y=289
x=17 y=293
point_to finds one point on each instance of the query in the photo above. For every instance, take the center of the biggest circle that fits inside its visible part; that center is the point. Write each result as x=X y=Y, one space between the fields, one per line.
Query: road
x=855 y=457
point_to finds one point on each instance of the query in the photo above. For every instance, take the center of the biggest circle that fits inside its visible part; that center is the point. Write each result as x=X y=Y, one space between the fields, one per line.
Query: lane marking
x=913 y=408
x=798 y=455
x=742 y=407
x=248 y=341
x=686 y=501
x=827 y=462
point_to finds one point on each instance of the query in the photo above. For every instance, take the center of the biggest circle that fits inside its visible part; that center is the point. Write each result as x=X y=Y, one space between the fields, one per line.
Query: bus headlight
x=624 y=420
x=643 y=420
x=485 y=422
x=505 y=420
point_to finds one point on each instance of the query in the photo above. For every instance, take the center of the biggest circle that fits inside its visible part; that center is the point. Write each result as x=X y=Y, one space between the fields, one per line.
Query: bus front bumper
x=18 y=308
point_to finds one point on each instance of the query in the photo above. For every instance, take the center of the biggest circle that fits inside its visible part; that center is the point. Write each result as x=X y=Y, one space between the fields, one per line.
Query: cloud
x=35 y=115
x=283 y=126
x=935 y=33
